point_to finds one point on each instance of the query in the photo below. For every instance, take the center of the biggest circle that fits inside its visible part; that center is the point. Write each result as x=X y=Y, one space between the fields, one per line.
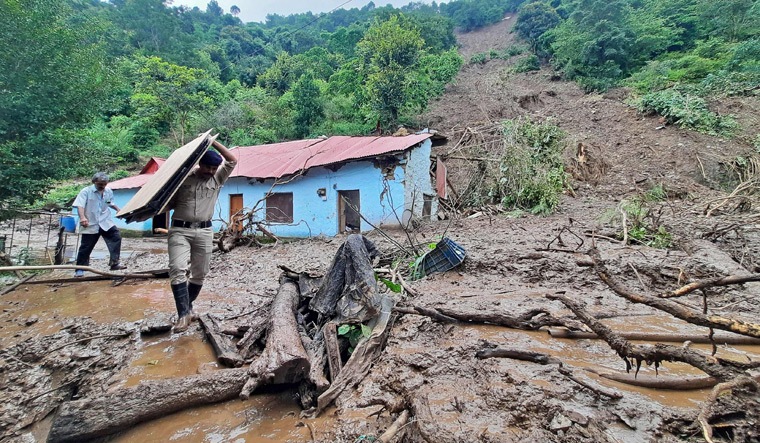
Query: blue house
x=318 y=186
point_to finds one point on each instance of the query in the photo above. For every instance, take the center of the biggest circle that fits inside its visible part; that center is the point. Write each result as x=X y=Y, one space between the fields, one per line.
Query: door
x=236 y=212
x=349 y=207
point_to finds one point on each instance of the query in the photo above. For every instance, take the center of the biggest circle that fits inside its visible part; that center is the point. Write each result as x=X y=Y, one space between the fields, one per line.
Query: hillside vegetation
x=88 y=85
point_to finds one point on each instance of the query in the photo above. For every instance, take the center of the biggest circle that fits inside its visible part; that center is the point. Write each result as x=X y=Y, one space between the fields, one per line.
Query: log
x=330 y=333
x=225 y=349
x=663 y=337
x=91 y=418
x=13 y=287
x=674 y=309
x=259 y=324
x=315 y=349
x=284 y=359
x=659 y=382
x=393 y=429
x=72 y=268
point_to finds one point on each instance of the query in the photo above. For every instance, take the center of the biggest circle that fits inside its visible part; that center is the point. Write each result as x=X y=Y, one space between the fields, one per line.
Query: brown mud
x=431 y=367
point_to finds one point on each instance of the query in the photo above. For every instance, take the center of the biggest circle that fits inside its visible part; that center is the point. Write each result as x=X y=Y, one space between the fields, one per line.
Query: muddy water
x=271 y=416
x=52 y=304
x=579 y=354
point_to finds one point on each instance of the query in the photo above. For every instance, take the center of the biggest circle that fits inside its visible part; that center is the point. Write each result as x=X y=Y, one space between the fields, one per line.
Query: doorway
x=349 y=206
x=236 y=212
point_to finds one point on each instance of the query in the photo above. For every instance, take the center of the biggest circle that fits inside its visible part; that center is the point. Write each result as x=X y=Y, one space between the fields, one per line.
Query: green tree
x=55 y=77
x=307 y=105
x=735 y=19
x=535 y=19
x=389 y=49
x=168 y=93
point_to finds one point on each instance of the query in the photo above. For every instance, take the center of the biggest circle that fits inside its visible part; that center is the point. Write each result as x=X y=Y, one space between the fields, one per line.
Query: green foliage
x=641 y=217
x=169 y=94
x=307 y=105
x=533 y=20
x=530 y=174
x=513 y=50
x=686 y=110
x=527 y=63
x=478 y=59
x=354 y=333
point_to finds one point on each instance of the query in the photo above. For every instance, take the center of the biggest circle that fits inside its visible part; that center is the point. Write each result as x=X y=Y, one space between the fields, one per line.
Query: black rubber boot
x=182 y=300
x=193 y=290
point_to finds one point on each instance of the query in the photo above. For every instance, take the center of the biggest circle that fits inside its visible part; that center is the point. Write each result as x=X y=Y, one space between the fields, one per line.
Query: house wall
x=121 y=197
x=405 y=182
x=311 y=214
x=418 y=182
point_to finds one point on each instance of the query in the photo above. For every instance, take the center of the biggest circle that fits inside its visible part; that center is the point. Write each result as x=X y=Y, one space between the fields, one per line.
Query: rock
x=560 y=423
x=31 y=320
x=577 y=417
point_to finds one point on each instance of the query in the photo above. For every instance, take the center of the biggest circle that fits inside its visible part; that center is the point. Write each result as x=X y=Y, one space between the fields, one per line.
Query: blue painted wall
x=381 y=194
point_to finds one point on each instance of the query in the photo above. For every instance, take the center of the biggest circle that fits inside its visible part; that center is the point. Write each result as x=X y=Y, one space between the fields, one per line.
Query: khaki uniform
x=194 y=202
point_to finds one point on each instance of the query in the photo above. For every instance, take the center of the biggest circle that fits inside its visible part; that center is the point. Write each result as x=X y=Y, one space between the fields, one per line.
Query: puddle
x=578 y=354
x=99 y=300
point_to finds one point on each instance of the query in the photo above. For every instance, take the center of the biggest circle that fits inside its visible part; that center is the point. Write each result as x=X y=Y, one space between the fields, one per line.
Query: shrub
x=687 y=111
x=478 y=59
x=530 y=174
x=514 y=50
x=528 y=63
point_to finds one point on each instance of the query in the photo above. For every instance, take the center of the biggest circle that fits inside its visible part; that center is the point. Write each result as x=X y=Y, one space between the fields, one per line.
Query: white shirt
x=95 y=208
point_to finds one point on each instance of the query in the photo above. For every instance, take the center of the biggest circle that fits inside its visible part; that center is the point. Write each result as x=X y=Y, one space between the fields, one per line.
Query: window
x=427 y=205
x=280 y=207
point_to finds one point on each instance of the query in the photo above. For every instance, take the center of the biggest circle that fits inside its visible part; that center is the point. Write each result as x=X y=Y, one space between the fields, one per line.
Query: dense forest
x=87 y=85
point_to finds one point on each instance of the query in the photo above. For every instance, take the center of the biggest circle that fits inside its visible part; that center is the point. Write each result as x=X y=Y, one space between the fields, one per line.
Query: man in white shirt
x=93 y=203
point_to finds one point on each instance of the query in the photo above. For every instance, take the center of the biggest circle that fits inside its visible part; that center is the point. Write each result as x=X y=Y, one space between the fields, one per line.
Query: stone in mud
x=577 y=417
x=560 y=423
x=31 y=320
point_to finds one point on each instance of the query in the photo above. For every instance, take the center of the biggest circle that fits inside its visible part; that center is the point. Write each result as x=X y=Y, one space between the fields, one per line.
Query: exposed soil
x=428 y=367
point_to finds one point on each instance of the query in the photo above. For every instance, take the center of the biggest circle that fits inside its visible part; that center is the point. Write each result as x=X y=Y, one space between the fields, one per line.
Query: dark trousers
x=112 y=237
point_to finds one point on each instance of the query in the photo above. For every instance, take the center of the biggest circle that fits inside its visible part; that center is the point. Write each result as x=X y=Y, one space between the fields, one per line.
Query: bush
x=528 y=63
x=687 y=111
x=478 y=59
x=530 y=174
x=514 y=50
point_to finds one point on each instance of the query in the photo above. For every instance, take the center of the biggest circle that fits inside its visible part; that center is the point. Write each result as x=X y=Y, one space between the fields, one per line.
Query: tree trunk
x=96 y=417
x=284 y=359
x=225 y=349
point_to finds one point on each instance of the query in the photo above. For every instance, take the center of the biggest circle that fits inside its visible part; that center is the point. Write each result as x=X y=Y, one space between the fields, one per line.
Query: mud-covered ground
x=431 y=367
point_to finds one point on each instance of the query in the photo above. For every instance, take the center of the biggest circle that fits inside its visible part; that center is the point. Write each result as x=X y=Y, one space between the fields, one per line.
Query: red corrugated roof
x=136 y=181
x=280 y=159
x=153 y=165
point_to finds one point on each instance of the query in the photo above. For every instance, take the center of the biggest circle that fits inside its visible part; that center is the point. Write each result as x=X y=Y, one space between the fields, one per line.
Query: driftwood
x=545 y=359
x=531 y=320
x=663 y=337
x=330 y=334
x=96 y=417
x=225 y=349
x=358 y=365
x=394 y=428
x=315 y=349
x=722 y=370
x=73 y=268
x=658 y=382
x=704 y=413
x=284 y=359
x=158 y=273
x=710 y=282
x=674 y=309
